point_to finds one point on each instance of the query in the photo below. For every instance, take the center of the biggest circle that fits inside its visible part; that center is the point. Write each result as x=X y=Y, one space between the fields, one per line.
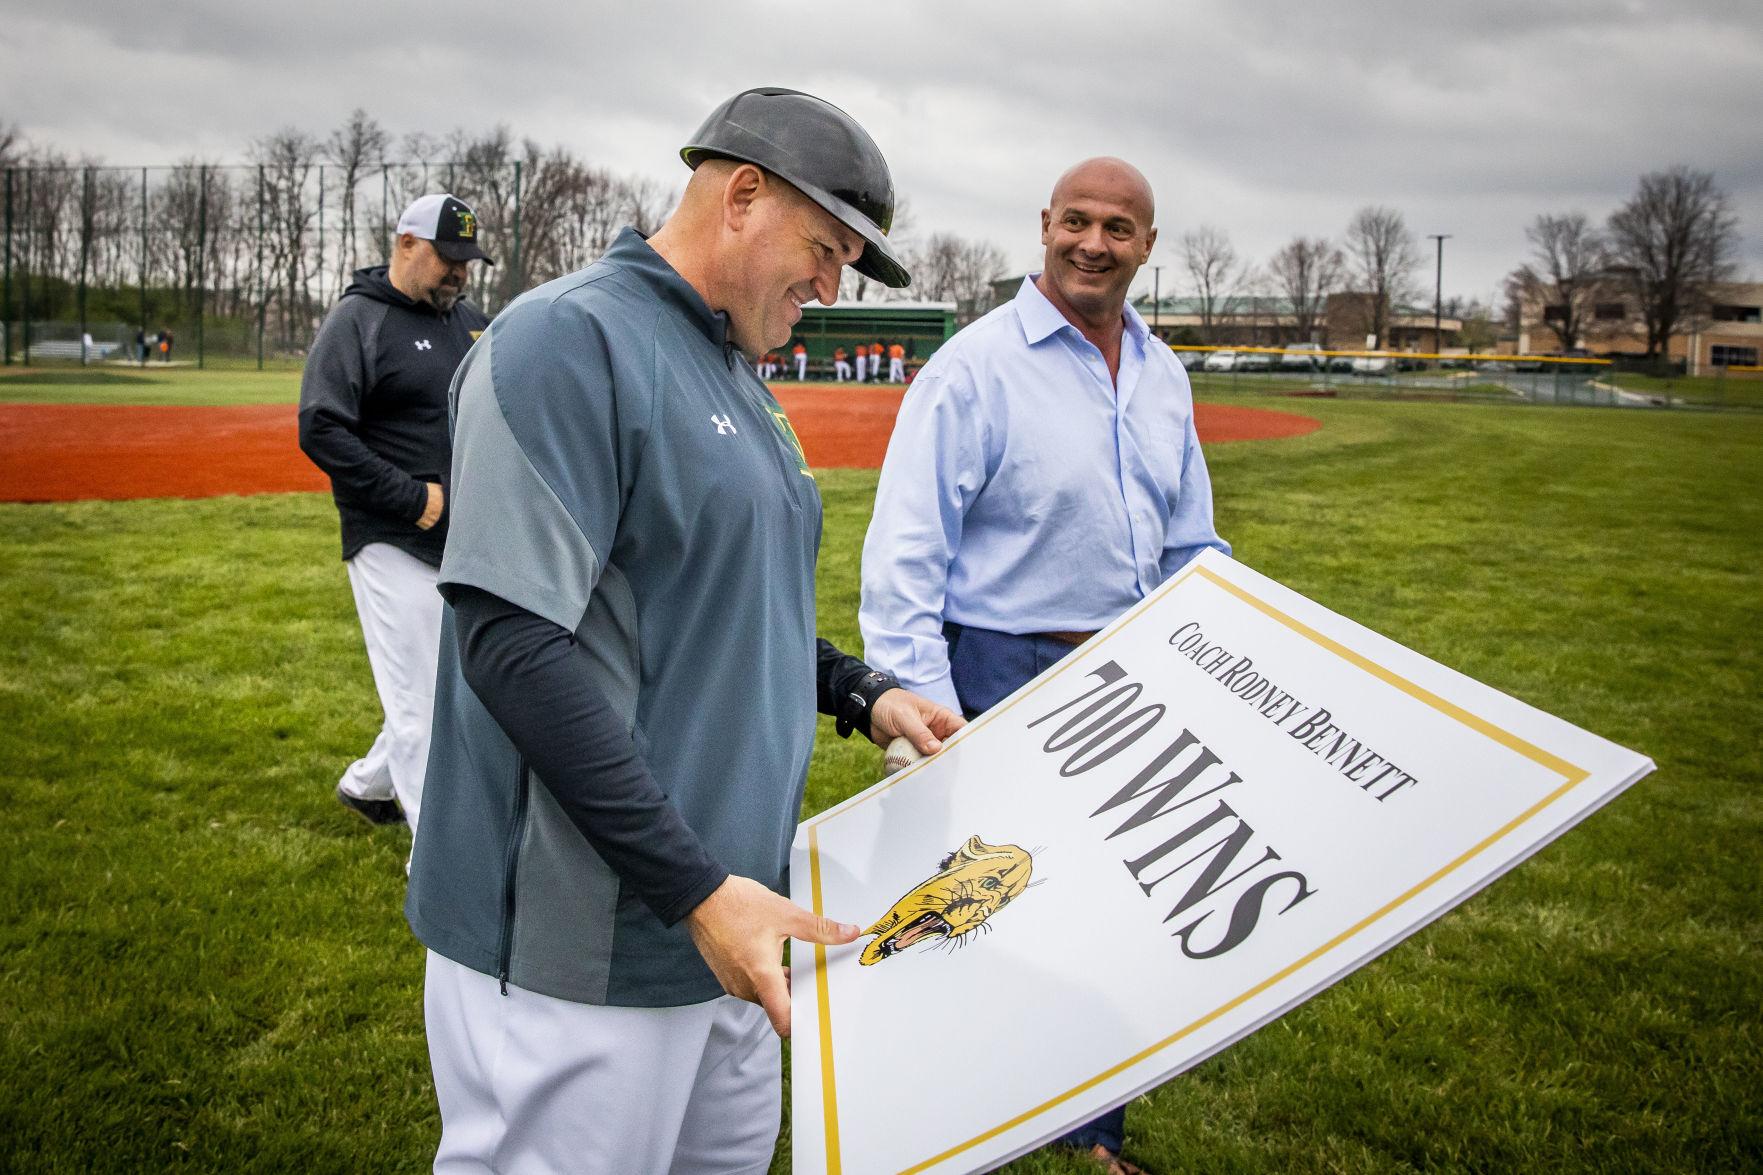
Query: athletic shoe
x=372 y=811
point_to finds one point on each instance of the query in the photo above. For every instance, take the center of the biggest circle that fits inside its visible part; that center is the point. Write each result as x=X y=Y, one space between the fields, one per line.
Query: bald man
x=1043 y=477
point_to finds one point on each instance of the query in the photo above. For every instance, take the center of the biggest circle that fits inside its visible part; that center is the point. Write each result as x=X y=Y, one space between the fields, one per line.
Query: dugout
x=921 y=327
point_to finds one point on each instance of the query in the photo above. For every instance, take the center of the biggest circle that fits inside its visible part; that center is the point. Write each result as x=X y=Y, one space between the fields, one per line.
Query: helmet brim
x=878 y=262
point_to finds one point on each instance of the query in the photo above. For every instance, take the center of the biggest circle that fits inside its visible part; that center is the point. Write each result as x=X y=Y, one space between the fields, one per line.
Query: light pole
x=1438 y=289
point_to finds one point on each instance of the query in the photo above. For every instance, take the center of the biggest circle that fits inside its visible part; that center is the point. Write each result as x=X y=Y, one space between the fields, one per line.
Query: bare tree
x=1306 y=271
x=14 y=151
x=1218 y=276
x=557 y=216
x=1670 y=243
x=285 y=161
x=647 y=203
x=949 y=268
x=569 y=214
x=235 y=267
x=178 y=213
x=46 y=202
x=1566 y=273
x=854 y=287
x=1383 y=258
x=1479 y=331
x=357 y=148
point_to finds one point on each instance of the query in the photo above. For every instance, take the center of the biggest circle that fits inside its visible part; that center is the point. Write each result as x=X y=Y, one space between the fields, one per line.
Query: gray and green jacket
x=627 y=691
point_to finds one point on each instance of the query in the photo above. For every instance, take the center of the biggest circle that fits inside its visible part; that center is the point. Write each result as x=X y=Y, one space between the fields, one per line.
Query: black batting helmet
x=822 y=152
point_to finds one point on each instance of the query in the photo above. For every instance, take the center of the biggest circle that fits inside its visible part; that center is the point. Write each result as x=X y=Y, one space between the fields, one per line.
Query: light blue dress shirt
x=1023 y=491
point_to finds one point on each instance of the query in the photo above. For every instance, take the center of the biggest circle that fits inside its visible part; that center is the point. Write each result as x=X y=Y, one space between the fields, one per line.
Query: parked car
x=1574 y=353
x=1371 y=365
x=1191 y=359
x=1340 y=363
x=1301 y=357
x=1220 y=361
x=1254 y=361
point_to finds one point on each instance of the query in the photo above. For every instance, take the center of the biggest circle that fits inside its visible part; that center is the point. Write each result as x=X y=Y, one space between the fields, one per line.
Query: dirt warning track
x=75 y=452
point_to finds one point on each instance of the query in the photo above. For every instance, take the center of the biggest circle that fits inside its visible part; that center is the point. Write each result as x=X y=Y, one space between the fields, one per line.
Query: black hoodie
x=373 y=409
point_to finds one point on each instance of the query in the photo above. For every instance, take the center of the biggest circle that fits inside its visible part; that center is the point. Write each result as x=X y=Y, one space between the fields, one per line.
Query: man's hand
x=740 y=930
x=431 y=513
x=900 y=713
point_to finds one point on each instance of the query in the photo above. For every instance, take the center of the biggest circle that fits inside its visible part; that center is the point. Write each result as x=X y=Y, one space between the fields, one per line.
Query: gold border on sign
x=1572 y=777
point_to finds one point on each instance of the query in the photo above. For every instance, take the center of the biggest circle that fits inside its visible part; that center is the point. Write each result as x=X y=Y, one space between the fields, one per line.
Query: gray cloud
x=1266 y=119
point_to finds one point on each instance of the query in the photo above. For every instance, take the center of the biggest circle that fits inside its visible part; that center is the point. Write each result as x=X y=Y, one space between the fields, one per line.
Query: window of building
x=1738 y=313
x=1555 y=313
x=1734 y=356
x=1610 y=311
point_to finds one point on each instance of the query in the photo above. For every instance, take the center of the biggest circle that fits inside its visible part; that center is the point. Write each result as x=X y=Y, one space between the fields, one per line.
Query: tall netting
x=218 y=265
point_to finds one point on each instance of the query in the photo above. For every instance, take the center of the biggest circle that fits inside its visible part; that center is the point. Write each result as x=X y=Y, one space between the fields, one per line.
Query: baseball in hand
x=900 y=753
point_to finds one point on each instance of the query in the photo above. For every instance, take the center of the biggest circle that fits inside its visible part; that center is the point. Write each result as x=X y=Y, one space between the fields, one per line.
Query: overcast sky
x=1266 y=120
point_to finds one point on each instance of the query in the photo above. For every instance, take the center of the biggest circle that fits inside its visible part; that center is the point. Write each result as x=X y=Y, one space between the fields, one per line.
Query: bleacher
x=71 y=349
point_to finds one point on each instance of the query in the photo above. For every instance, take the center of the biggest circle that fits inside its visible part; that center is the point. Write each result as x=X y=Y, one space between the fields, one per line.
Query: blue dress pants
x=988 y=667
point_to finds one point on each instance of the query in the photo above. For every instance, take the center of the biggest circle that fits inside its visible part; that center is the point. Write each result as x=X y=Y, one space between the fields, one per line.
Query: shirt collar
x=631 y=252
x=1041 y=319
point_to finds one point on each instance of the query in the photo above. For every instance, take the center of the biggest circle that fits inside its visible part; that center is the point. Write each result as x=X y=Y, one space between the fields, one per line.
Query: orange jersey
x=839 y=354
x=798 y=349
x=896 y=352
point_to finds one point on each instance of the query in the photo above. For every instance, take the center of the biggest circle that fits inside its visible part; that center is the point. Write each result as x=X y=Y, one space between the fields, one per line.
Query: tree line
x=276 y=239
x=1655 y=263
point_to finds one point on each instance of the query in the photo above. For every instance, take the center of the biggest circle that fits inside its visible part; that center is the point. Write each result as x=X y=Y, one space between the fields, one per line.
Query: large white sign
x=1217 y=807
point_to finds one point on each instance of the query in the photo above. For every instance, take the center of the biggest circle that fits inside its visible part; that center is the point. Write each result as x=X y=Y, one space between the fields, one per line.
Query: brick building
x=1726 y=332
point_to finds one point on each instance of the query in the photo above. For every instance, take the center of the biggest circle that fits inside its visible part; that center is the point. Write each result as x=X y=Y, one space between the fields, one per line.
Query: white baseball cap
x=448 y=222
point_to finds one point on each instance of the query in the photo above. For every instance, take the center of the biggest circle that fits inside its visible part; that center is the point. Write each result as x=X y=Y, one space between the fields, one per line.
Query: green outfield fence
x=236 y=264
x=1459 y=376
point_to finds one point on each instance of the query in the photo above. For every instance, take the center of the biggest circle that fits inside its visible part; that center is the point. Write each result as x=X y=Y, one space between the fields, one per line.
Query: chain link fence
x=1459 y=377
x=237 y=265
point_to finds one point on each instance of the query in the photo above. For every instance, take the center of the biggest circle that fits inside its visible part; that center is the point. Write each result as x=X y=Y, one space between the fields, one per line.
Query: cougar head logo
x=973 y=883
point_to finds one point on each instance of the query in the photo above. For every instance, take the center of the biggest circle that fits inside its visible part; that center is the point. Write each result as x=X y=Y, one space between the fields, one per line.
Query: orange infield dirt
x=73 y=452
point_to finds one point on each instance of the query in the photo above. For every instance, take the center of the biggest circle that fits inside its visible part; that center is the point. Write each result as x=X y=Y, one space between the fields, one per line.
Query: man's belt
x=1067 y=638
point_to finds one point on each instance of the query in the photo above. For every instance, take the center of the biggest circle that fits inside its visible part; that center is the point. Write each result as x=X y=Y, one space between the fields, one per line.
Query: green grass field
x=1722 y=390
x=204 y=965
x=148 y=385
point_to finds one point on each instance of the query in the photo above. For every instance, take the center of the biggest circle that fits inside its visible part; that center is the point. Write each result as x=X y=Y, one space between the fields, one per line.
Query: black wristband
x=855 y=704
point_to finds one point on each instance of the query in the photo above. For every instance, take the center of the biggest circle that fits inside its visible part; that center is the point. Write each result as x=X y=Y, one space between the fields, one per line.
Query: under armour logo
x=424 y=345
x=723 y=423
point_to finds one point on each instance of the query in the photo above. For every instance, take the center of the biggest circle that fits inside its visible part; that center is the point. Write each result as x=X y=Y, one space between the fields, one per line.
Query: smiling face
x=789 y=252
x=1098 y=232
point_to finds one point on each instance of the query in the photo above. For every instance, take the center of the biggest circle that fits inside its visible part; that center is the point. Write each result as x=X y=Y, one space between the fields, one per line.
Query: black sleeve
x=846 y=688
x=331 y=389
x=532 y=678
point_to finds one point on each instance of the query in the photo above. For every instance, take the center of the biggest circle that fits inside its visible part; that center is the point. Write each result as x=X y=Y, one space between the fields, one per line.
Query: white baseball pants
x=532 y=1084
x=400 y=614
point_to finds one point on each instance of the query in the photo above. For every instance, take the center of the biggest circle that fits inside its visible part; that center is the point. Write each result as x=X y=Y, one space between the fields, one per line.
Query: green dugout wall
x=921 y=327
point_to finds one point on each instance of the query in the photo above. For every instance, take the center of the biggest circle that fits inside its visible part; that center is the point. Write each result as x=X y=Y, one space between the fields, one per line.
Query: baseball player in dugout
x=373 y=416
x=1044 y=475
x=629 y=675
